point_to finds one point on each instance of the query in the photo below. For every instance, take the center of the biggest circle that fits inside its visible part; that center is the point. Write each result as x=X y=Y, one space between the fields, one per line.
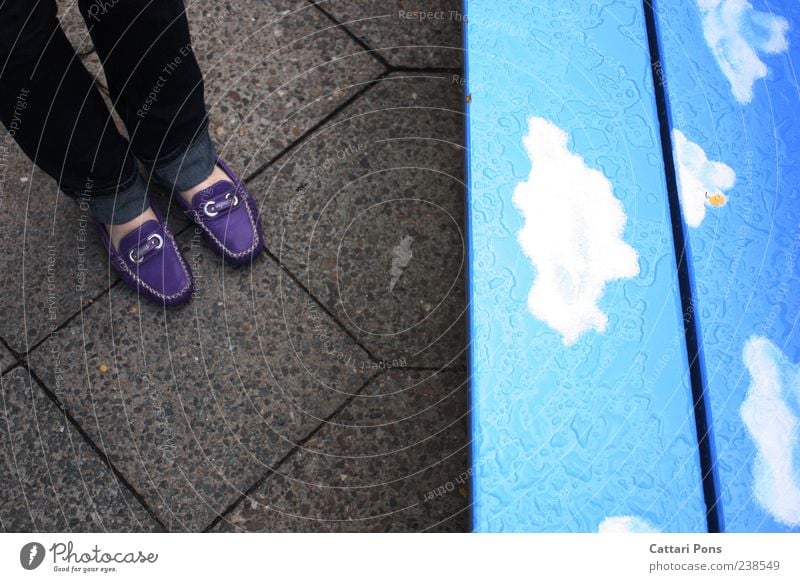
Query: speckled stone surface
x=405 y=33
x=369 y=214
x=52 y=260
x=194 y=404
x=6 y=359
x=393 y=460
x=272 y=70
x=51 y=479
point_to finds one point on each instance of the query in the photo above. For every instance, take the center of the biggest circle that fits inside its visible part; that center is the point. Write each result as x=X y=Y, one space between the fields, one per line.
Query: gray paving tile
x=6 y=359
x=194 y=404
x=271 y=70
x=393 y=460
x=52 y=261
x=368 y=213
x=406 y=34
x=51 y=479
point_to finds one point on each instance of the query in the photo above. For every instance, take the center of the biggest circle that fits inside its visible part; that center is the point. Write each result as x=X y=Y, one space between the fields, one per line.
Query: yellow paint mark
x=103 y=368
x=717 y=199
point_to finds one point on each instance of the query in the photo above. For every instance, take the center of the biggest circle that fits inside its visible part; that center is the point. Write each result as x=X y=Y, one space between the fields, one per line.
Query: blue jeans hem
x=122 y=207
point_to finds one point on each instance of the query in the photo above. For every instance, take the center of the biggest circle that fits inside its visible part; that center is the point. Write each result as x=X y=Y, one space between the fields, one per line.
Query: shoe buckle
x=213 y=208
x=152 y=243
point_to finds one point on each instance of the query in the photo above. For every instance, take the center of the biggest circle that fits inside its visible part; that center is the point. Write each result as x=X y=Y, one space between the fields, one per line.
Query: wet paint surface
x=575 y=422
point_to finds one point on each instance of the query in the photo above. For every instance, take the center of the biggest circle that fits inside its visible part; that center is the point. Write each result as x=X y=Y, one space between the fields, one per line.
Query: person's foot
x=216 y=175
x=118 y=231
x=226 y=214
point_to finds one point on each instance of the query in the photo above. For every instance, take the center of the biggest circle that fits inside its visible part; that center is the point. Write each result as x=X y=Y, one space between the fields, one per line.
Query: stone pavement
x=323 y=389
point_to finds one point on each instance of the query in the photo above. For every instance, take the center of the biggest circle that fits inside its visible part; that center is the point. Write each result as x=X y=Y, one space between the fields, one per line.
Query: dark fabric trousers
x=51 y=106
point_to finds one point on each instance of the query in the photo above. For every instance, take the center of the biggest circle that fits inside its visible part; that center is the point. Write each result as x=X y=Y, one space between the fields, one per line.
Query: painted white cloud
x=699 y=179
x=771 y=413
x=738 y=34
x=572 y=234
x=626 y=524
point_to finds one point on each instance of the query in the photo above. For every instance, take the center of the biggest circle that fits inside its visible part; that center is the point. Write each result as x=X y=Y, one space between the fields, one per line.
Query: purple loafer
x=150 y=262
x=227 y=216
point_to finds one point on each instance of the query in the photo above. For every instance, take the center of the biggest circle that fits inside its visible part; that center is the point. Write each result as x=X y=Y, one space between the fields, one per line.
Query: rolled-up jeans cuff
x=121 y=207
x=190 y=168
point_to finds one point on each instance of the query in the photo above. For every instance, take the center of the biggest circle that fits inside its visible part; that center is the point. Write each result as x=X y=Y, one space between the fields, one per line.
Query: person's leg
x=52 y=108
x=156 y=86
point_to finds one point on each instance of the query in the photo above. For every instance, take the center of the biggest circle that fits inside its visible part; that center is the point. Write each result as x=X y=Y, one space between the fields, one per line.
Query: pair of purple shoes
x=150 y=261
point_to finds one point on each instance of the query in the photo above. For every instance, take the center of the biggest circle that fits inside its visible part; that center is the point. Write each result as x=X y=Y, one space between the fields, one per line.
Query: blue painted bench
x=625 y=328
